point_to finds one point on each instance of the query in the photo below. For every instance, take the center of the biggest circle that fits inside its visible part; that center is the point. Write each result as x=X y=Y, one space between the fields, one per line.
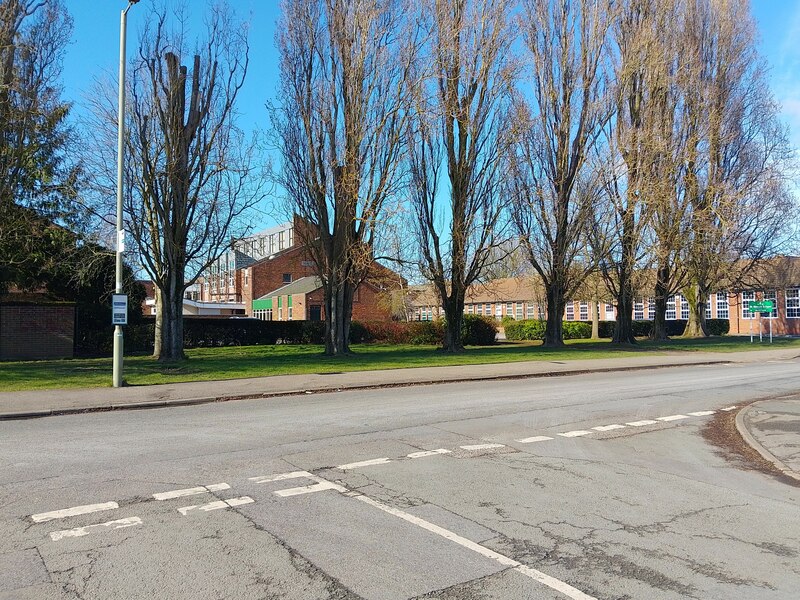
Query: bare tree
x=345 y=67
x=461 y=126
x=632 y=151
x=737 y=161
x=555 y=195
x=189 y=167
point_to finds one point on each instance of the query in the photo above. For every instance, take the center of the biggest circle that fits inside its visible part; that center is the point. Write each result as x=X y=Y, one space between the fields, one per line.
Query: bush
x=718 y=326
x=531 y=329
x=478 y=331
x=576 y=330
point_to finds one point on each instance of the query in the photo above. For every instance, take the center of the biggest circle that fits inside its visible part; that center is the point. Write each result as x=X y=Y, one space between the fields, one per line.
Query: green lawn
x=256 y=361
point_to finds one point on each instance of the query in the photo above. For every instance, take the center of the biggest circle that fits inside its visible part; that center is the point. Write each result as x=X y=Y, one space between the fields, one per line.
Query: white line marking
x=576 y=433
x=609 y=427
x=536 y=438
x=729 y=408
x=81 y=531
x=642 y=423
x=425 y=453
x=482 y=446
x=543 y=578
x=364 y=463
x=310 y=489
x=215 y=487
x=74 y=511
x=701 y=413
x=672 y=418
x=280 y=477
x=216 y=505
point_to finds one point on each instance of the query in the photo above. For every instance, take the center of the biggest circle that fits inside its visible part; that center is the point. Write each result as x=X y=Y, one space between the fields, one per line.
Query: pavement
x=771 y=427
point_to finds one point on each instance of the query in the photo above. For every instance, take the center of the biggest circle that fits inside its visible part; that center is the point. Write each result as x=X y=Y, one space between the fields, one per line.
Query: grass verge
x=206 y=364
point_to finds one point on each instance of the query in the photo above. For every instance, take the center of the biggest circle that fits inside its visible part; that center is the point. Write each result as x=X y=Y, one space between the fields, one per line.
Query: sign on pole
x=119 y=309
x=761 y=306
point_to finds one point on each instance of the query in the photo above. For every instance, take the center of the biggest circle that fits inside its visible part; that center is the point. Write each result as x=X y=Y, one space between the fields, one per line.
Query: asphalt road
x=458 y=491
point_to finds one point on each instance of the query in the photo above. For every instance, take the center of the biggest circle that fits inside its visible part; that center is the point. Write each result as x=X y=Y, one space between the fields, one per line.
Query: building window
x=246 y=277
x=291 y=236
x=747 y=297
x=498 y=312
x=480 y=308
x=287 y=278
x=570 y=311
x=638 y=311
x=793 y=303
x=290 y=313
x=772 y=295
x=651 y=309
x=583 y=313
x=671 y=316
x=684 y=308
x=722 y=305
x=610 y=312
x=530 y=312
x=470 y=308
x=708 y=308
x=280 y=313
x=488 y=310
x=519 y=313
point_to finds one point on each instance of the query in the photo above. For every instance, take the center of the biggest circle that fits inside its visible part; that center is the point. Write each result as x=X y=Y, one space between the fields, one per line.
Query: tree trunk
x=696 y=325
x=454 y=317
x=338 y=315
x=169 y=319
x=659 y=332
x=623 y=329
x=595 y=320
x=554 y=328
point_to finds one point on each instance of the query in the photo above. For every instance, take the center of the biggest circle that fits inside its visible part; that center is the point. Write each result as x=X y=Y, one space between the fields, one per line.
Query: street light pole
x=118 y=335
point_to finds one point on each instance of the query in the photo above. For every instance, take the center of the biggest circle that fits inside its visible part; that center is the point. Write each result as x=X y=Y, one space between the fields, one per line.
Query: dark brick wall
x=36 y=331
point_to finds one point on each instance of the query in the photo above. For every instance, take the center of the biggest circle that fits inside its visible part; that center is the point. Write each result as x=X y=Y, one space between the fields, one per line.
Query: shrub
x=530 y=329
x=718 y=326
x=478 y=331
x=576 y=330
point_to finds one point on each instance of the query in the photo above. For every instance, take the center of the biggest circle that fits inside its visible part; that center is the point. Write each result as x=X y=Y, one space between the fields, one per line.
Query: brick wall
x=36 y=331
x=267 y=275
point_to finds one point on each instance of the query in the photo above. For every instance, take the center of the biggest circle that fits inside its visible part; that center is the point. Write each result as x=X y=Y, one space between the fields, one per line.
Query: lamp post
x=118 y=336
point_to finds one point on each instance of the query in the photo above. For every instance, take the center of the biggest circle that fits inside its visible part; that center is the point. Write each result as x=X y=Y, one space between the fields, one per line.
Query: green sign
x=762 y=306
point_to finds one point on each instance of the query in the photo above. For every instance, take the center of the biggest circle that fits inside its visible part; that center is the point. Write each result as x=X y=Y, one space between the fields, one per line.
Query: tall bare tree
x=461 y=127
x=632 y=151
x=345 y=67
x=37 y=175
x=188 y=166
x=555 y=195
x=738 y=158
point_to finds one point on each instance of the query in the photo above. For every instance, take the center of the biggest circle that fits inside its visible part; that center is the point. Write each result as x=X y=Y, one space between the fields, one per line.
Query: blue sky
x=95 y=47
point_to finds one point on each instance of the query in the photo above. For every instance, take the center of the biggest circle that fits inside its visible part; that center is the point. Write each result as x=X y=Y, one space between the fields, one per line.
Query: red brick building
x=275 y=278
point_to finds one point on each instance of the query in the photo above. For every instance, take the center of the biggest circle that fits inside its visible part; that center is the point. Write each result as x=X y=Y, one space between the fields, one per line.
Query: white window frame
x=570 y=310
x=671 y=310
x=684 y=308
x=723 y=308
x=638 y=310
x=583 y=311
x=610 y=316
x=519 y=311
x=792 y=303
x=530 y=311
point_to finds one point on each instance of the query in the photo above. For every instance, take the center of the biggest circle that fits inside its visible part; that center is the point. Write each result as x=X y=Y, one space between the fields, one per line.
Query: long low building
x=520 y=298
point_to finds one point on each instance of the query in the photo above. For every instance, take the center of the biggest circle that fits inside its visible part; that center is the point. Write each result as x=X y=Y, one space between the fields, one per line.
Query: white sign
x=121 y=241
x=119 y=309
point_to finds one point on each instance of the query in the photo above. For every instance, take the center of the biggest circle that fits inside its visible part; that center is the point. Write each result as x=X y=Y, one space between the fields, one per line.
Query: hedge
x=205 y=332
x=534 y=329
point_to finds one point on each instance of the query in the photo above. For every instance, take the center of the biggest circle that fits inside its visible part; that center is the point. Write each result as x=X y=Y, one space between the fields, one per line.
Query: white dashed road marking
x=215 y=487
x=364 y=463
x=81 y=531
x=536 y=438
x=608 y=427
x=280 y=477
x=642 y=423
x=216 y=505
x=425 y=453
x=701 y=413
x=310 y=489
x=482 y=446
x=577 y=433
x=74 y=511
x=672 y=418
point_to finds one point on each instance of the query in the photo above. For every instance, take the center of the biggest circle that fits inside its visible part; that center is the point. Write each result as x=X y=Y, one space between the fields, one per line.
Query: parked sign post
x=764 y=308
